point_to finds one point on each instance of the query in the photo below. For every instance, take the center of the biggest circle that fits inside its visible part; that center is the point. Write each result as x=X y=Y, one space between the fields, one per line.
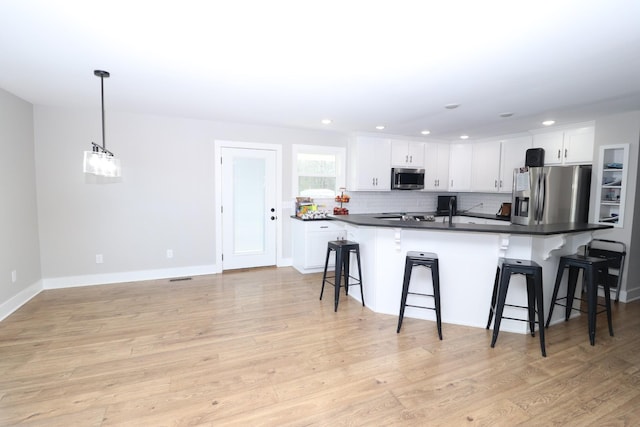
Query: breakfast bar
x=468 y=249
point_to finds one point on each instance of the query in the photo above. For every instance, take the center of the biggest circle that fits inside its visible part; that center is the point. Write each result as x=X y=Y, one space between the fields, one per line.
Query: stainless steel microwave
x=407 y=179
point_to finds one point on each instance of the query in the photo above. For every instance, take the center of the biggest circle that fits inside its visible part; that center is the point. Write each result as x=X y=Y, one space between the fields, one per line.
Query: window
x=318 y=171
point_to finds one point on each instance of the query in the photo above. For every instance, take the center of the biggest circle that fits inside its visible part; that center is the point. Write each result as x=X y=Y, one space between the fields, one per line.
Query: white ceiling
x=359 y=63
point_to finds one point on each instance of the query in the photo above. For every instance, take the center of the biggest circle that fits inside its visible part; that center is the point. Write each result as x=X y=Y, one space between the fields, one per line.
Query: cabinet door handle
x=373 y=181
x=558 y=154
x=406 y=158
x=495 y=183
x=452 y=183
x=324 y=226
x=410 y=159
x=500 y=183
x=565 y=153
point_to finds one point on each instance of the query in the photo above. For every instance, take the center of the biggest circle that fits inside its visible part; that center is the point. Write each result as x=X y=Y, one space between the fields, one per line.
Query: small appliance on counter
x=443 y=205
x=505 y=210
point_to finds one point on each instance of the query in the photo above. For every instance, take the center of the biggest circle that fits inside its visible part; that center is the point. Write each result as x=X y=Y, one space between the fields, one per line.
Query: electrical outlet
x=14 y=276
x=169 y=253
x=99 y=259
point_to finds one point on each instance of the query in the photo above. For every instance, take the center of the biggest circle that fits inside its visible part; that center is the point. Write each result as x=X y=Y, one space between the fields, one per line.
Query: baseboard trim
x=630 y=295
x=20 y=299
x=128 y=276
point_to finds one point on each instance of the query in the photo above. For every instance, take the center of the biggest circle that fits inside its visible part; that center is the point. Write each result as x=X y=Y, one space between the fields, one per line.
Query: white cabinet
x=512 y=155
x=485 y=166
x=369 y=164
x=612 y=168
x=407 y=153
x=573 y=146
x=460 y=157
x=310 y=240
x=436 y=166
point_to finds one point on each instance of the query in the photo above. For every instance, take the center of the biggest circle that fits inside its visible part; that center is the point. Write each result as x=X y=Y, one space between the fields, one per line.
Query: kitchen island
x=468 y=250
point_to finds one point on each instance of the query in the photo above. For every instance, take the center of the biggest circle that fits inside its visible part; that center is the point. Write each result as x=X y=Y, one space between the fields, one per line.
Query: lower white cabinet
x=310 y=240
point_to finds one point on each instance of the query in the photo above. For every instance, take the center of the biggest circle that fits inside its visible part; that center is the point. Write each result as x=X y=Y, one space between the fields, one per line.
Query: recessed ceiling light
x=451 y=106
x=548 y=122
x=464 y=136
x=425 y=132
x=379 y=127
x=506 y=114
x=326 y=121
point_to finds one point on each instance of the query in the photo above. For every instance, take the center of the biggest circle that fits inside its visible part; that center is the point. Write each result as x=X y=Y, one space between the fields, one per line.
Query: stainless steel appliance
x=407 y=179
x=551 y=194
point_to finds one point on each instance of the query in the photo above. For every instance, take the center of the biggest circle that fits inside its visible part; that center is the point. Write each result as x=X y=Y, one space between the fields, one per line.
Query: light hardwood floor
x=257 y=347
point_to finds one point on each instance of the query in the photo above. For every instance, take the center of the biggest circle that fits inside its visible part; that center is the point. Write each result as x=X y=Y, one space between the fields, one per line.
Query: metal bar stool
x=533 y=274
x=429 y=260
x=592 y=267
x=343 y=250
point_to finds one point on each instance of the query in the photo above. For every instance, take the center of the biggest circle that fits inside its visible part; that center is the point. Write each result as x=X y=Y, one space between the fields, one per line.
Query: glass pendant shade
x=101 y=164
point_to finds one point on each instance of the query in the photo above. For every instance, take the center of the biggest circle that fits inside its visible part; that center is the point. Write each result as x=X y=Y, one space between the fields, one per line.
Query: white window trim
x=339 y=152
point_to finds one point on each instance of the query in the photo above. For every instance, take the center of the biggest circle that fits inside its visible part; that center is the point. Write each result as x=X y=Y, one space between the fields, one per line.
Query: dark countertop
x=384 y=220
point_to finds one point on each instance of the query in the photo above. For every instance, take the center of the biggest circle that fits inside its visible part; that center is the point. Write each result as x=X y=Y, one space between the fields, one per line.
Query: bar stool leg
x=360 y=276
x=531 y=304
x=339 y=264
x=324 y=275
x=561 y=266
x=540 y=309
x=592 y=300
x=607 y=300
x=408 y=266
x=435 y=278
x=494 y=296
x=571 y=290
x=346 y=270
x=502 y=296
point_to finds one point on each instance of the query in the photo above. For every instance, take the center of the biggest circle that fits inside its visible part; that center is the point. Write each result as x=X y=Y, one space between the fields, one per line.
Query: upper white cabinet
x=407 y=153
x=485 y=166
x=436 y=166
x=572 y=146
x=512 y=155
x=369 y=164
x=460 y=157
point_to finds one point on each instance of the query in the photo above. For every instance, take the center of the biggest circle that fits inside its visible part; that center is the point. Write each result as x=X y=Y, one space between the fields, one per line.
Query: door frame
x=218 y=145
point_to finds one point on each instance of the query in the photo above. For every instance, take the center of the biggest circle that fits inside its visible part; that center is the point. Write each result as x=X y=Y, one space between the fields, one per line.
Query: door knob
x=273 y=210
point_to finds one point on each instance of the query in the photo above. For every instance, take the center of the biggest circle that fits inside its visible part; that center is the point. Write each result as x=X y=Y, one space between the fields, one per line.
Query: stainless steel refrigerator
x=551 y=194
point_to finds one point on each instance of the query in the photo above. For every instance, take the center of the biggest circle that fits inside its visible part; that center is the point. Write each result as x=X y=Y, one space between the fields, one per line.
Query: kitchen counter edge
x=372 y=220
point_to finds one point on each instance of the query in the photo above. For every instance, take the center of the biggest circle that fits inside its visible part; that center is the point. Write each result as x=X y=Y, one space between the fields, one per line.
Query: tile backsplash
x=415 y=201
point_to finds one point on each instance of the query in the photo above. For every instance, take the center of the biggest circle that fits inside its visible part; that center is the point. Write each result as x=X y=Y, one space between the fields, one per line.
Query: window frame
x=340 y=154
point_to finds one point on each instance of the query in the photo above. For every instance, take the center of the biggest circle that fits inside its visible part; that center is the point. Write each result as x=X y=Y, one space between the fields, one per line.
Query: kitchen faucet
x=451 y=203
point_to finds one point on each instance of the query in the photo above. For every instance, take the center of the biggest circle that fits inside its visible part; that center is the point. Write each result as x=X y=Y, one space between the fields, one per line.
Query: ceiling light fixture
x=548 y=122
x=380 y=127
x=505 y=115
x=100 y=161
x=451 y=106
x=425 y=132
x=464 y=136
x=326 y=121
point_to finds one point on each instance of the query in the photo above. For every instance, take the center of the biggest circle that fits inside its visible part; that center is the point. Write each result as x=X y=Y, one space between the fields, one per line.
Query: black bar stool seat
x=429 y=260
x=592 y=267
x=535 y=304
x=343 y=250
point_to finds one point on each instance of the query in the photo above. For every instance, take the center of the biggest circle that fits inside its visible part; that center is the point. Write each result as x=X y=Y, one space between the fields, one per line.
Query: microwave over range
x=407 y=179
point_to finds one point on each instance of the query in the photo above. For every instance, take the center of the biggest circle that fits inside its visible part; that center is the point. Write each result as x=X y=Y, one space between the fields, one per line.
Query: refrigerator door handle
x=542 y=195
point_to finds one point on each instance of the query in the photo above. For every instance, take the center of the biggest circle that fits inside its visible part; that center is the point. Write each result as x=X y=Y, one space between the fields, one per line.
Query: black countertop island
x=441 y=223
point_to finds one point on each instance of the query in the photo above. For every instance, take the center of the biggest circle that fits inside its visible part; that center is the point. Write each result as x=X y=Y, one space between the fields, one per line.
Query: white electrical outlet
x=99 y=259
x=169 y=253
x=14 y=276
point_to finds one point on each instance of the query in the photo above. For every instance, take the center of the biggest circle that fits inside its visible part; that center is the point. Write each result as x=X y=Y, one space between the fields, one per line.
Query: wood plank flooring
x=257 y=347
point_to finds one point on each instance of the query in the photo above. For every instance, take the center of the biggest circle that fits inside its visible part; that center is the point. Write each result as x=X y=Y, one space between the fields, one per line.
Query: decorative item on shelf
x=342 y=198
x=100 y=161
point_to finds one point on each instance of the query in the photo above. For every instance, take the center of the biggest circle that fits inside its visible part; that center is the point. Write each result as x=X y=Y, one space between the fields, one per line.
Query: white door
x=248 y=208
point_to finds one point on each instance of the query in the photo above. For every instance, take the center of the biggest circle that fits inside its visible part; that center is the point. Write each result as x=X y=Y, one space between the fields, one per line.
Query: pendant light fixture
x=100 y=161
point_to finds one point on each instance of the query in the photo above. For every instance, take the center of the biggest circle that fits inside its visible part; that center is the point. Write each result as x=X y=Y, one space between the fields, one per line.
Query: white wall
x=19 y=245
x=165 y=200
x=623 y=129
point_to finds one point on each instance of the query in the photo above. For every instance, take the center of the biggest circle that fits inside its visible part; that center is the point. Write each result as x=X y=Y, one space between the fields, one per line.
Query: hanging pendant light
x=100 y=161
